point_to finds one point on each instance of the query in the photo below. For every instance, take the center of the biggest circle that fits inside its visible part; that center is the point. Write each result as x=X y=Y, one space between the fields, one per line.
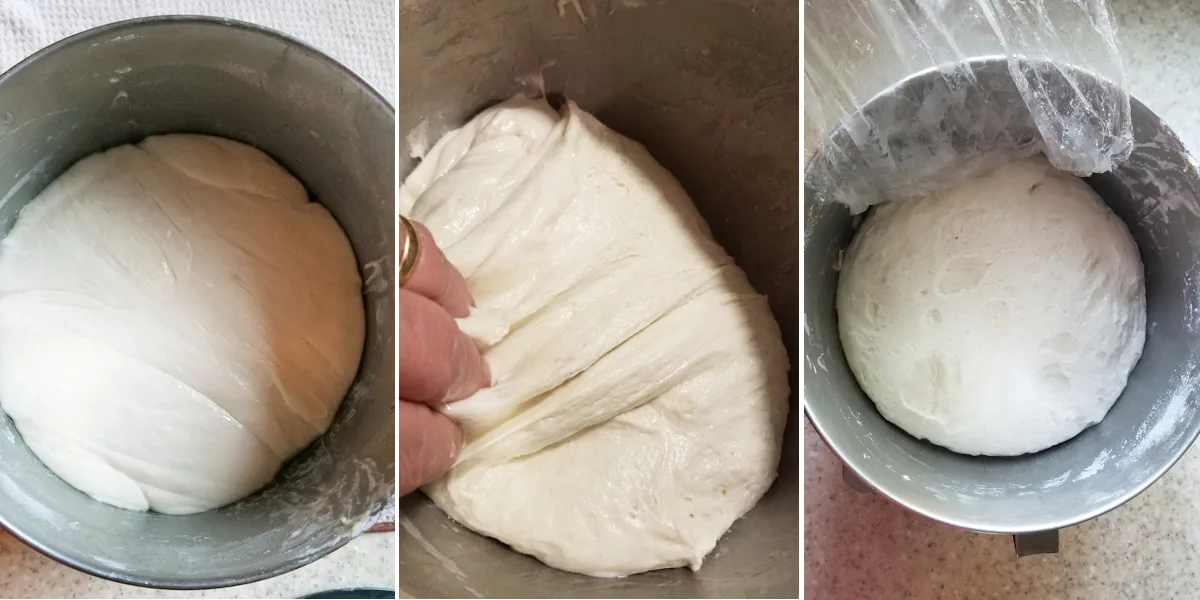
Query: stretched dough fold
x=640 y=384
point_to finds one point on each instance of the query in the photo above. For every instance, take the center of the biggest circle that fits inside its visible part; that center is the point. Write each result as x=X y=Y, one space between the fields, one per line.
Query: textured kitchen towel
x=359 y=33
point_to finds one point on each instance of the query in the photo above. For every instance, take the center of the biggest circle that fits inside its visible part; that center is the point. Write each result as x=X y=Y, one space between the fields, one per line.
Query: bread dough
x=176 y=321
x=640 y=383
x=1001 y=317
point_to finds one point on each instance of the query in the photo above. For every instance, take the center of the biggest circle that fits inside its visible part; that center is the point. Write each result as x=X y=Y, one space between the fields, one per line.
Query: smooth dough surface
x=176 y=321
x=1000 y=317
x=640 y=384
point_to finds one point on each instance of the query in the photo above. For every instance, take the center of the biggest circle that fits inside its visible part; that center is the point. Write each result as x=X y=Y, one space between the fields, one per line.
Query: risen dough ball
x=1001 y=317
x=176 y=321
x=640 y=383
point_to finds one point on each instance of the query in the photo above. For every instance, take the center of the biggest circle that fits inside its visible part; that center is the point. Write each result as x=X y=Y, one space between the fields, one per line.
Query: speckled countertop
x=863 y=547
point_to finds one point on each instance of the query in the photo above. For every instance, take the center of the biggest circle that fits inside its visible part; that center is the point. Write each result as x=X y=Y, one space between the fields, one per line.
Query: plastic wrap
x=905 y=96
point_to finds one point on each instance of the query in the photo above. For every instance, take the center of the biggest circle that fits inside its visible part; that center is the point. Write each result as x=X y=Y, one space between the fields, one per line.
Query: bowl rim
x=124 y=576
x=982 y=524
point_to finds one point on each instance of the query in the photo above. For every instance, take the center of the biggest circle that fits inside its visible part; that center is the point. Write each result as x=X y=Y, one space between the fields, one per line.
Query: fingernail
x=456 y=447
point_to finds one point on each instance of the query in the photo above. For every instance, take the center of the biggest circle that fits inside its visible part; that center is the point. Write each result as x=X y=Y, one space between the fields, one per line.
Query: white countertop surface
x=369 y=561
x=359 y=33
x=860 y=546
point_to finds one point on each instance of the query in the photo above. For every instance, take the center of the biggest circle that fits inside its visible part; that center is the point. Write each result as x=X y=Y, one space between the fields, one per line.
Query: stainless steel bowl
x=711 y=88
x=118 y=84
x=1155 y=420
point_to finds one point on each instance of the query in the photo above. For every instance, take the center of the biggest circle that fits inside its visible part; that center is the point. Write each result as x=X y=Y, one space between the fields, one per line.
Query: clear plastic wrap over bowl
x=857 y=48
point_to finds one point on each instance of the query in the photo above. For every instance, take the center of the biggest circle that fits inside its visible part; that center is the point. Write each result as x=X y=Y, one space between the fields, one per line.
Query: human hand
x=438 y=363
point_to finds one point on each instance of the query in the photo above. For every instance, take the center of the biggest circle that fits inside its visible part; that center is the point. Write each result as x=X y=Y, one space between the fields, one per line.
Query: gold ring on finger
x=408 y=250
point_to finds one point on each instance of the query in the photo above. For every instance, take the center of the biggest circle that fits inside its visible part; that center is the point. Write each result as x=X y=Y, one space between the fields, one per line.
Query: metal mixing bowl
x=1154 y=421
x=711 y=88
x=118 y=84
